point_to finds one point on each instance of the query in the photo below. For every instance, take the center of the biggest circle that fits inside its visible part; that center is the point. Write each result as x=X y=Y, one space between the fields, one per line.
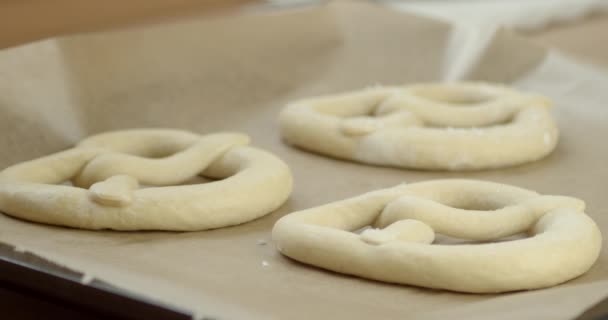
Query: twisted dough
x=466 y=126
x=563 y=244
x=112 y=165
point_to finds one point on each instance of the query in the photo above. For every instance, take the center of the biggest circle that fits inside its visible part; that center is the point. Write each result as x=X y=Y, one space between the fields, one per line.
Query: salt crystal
x=87 y=278
x=547 y=138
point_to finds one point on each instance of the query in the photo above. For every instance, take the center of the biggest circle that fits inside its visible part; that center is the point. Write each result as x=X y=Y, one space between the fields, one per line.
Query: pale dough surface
x=461 y=126
x=563 y=241
x=106 y=171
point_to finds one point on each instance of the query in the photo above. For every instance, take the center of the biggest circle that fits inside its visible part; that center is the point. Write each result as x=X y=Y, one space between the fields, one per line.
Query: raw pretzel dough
x=465 y=126
x=112 y=165
x=563 y=244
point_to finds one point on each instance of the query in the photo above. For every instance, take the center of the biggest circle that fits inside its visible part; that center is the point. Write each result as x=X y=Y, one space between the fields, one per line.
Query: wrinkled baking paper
x=236 y=73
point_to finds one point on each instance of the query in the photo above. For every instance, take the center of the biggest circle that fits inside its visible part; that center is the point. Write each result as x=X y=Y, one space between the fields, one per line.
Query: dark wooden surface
x=41 y=290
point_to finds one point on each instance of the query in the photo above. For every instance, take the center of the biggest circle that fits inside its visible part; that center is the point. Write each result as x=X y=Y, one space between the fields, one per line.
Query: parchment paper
x=236 y=73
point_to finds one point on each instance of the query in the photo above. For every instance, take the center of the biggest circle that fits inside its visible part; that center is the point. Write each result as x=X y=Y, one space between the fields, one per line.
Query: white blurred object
x=476 y=21
x=518 y=14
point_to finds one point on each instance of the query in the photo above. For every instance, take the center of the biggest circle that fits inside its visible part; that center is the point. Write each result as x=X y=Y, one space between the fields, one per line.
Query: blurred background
x=578 y=27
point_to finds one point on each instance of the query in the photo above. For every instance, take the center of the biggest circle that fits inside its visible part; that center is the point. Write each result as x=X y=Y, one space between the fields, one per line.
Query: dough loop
x=107 y=169
x=464 y=126
x=563 y=241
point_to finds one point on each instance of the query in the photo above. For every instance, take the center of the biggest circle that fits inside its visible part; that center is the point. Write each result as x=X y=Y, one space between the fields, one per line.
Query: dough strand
x=563 y=241
x=462 y=126
x=107 y=169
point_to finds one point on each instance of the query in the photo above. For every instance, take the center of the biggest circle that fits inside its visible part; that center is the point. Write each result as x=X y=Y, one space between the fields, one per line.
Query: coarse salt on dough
x=563 y=244
x=107 y=169
x=461 y=126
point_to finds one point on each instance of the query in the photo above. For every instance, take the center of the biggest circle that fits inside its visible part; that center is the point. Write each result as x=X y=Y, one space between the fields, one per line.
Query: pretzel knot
x=465 y=126
x=106 y=171
x=563 y=241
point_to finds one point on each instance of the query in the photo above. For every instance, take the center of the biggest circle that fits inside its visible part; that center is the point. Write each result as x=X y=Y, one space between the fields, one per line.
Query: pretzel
x=563 y=243
x=107 y=170
x=464 y=126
